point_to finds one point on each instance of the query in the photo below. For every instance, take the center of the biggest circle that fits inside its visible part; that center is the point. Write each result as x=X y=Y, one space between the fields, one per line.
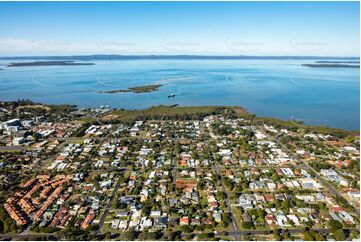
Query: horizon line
x=176 y=56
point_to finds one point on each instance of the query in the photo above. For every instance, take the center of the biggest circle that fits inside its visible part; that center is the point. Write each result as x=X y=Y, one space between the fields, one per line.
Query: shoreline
x=244 y=113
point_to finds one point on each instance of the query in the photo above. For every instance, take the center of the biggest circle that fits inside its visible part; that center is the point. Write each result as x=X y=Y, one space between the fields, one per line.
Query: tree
x=176 y=235
x=121 y=205
x=200 y=227
x=225 y=224
x=339 y=235
x=354 y=234
x=277 y=234
x=247 y=225
x=226 y=217
x=261 y=213
x=187 y=237
x=321 y=205
x=286 y=234
x=228 y=183
x=221 y=195
x=148 y=236
x=128 y=236
x=334 y=225
x=72 y=233
x=261 y=221
x=352 y=164
x=308 y=236
x=206 y=236
x=146 y=210
x=8 y=223
x=36 y=137
x=253 y=212
x=108 y=236
x=186 y=229
x=319 y=236
x=285 y=205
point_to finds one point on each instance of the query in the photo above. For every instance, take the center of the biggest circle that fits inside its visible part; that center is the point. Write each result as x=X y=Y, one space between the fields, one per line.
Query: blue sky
x=214 y=28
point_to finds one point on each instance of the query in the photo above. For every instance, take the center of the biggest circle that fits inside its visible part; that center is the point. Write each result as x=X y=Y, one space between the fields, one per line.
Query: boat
x=171 y=95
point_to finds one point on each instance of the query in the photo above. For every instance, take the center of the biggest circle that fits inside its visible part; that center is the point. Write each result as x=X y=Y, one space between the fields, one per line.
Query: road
x=175 y=172
x=329 y=187
x=234 y=233
x=109 y=205
x=265 y=232
x=306 y=166
x=270 y=231
x=235 y=228
x=25 y=236
x=74 y=139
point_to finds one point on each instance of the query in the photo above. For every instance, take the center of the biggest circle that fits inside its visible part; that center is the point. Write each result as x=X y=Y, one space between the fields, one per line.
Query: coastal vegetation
x=174 y=112
x=165 y=112
x=198 y=112
x=137 y=89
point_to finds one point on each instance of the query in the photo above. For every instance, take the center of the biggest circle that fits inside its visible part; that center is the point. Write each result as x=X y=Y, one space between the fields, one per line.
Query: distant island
x=338 y=62
x=137 y=89
x=48 y=63
x=335 y=65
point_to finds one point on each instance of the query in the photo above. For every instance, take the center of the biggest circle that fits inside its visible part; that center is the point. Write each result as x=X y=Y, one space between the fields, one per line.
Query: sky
x=168 y=28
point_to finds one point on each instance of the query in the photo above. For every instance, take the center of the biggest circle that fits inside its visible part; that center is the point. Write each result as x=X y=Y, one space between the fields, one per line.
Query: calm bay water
x=276 y=88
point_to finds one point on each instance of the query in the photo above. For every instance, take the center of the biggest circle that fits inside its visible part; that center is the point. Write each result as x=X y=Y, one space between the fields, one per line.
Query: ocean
x=279 y=88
